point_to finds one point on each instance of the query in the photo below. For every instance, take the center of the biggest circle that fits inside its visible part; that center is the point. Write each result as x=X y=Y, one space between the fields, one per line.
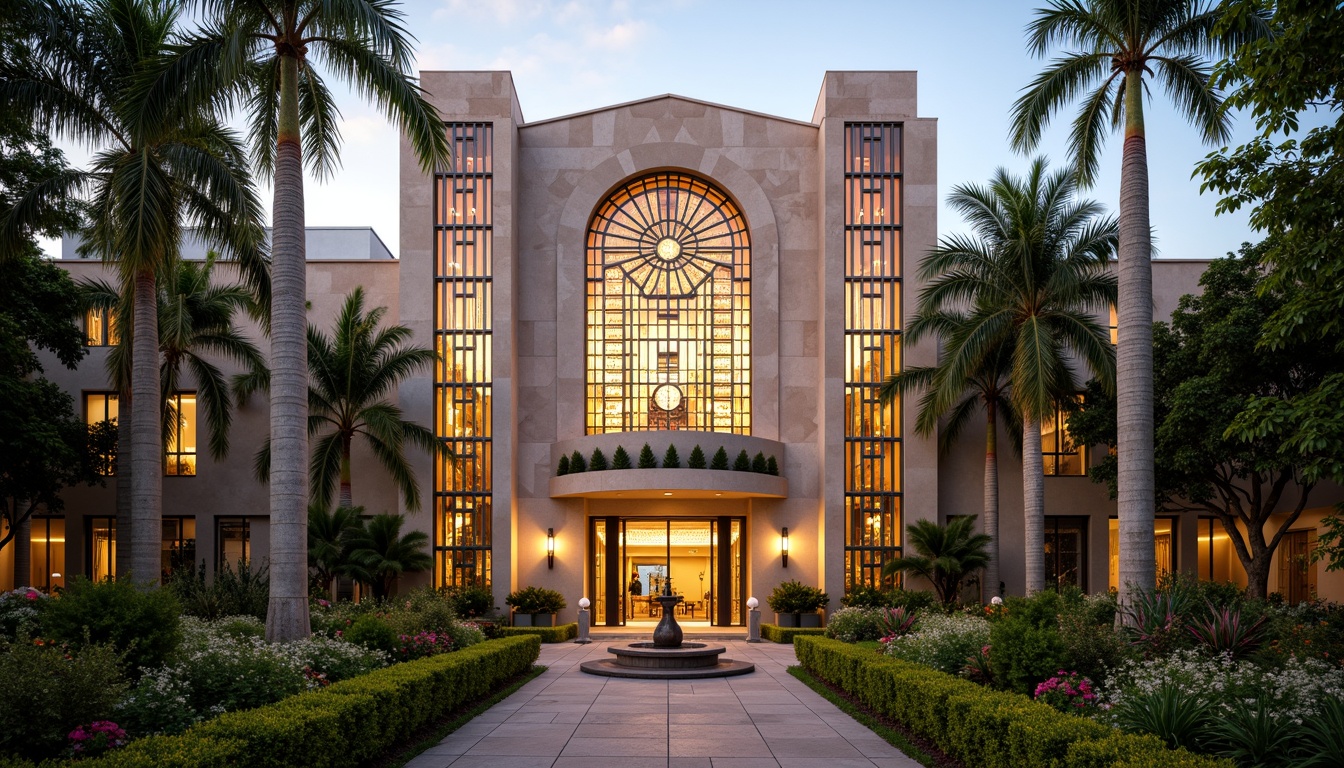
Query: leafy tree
x=379 y=553
x=145 y=184
x=1115 y=48
x=646 y=458
x=697 y=458
x=1206 y=366
x=351 y=373
x=720 y=460
x=598 y=461
x=329 y=542
x=1031 y=282
x=670 y=459
x=620 y=459
x=576 y=463
x=945 y=555
x=265 y=56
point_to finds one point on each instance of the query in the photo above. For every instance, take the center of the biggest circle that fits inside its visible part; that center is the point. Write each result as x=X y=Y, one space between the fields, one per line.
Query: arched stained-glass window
x=669 y=309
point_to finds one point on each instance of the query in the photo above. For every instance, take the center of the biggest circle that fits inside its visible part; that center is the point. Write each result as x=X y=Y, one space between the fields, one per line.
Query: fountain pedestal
x=667 y=657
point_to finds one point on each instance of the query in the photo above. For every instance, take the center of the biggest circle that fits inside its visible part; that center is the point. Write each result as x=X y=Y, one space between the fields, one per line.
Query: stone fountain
x=667 y=657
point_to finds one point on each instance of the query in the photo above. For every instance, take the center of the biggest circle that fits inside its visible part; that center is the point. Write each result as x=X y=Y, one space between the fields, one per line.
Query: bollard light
x=585 y=621
x=550 y=548
x=753 y=621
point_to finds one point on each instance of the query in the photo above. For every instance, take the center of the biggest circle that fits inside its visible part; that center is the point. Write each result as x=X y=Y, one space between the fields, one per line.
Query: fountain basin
x=648 y=661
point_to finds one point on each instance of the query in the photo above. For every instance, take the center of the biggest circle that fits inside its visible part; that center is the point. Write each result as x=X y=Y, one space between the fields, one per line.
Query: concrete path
x=564 y=719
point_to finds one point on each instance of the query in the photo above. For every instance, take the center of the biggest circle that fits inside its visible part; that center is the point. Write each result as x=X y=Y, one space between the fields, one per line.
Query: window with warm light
x=180 y=448
x=669 y=309
x=872 y=217
x=46 y=548
x=1066 y=552
x=233 y=537
x=101 y=410
x=100 y=547
x=1164 y=548
x=100 y=328
x=1059 y=454
x=1113 y=324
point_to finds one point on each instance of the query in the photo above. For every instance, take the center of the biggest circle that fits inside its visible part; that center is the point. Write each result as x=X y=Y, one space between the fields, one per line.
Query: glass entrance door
x=634 y=559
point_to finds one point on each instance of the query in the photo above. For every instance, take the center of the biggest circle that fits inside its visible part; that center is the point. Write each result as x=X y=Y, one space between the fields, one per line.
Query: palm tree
x=329 y=533
x=145 y=183
x=261 y=53
x=196 y=322
x=1116 y=44
x=350 y=376
x=1031 y=281
x=987 y=387
x=946 y=554
x=380 y=554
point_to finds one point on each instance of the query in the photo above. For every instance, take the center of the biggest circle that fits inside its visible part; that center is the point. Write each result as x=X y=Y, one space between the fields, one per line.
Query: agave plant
x=895 y=621
x=1155 y=618
x=1225 y=630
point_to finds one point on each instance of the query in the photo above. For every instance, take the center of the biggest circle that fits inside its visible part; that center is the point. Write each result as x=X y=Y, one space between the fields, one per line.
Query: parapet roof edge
x=693 y=100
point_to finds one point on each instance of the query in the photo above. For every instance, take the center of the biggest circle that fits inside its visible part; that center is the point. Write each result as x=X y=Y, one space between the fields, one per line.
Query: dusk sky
x=769 y=57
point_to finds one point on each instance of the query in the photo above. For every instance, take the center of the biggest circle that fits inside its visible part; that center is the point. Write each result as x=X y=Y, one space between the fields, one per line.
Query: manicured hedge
x=777 y=634
x=980 y=726
x=547 y=634
x=345 y=724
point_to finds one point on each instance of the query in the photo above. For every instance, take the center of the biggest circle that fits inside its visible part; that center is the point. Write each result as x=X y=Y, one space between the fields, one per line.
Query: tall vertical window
x=1066 y=552
x=669 y=309
x=100 y=328
x=180 y=447
x=233 y=537
x=1164 y=548
x=46 y=547
x=872 y=220
x=179 y=545
x=100 y=411
x=100 y=547
x=463 y=306
x=1215 y=558
x=1059 y=454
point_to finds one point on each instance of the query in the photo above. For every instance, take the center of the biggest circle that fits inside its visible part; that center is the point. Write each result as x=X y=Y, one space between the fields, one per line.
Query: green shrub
x=942 y=641
x=777 y=634
x=237 y=589
x=620 y=459
x=697 y=459
x=1026 y=645
x=44 y=695
x=771 y=466
x=646 y=458
x=471 y=601
x=598 y=461
x=576 y=464
x=143 y=626
x=1179 y=717
x=372 y=632
x=563 y=467
x=720 y=460
x=1090 y=644
x=852 y=625
x=743 y=462
x=1323 y=736
x=758 y=463
x=422 y=610
x=547 y=634
x=670 y=459
x=535 y=600
x=796 y=597
x=19 y=612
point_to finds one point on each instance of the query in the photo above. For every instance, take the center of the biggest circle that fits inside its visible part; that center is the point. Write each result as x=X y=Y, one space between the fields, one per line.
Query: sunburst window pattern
x=669 y=309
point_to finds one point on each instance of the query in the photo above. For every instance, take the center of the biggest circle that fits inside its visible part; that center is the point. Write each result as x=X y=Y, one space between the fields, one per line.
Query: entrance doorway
x=635 y=558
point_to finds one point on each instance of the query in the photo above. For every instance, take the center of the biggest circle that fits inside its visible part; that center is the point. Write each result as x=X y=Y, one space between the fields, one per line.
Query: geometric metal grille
x=872 y=221
x=463 y=333
x=669 y=309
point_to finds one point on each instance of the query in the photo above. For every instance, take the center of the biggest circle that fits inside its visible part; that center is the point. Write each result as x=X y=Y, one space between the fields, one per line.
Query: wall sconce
x=550 y=548
x=784 y=545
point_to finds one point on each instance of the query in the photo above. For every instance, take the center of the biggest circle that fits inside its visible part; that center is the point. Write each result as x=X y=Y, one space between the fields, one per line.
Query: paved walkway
x=564 y=718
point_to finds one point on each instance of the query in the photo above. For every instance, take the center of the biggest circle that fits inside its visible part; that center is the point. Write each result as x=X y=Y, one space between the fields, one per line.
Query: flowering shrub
x=1067 y=692
x=19 y=612
x=943 y=642
x=96 y=738
x=48 y=690
x=850 y=625
x=423 y=644
x=466 y=634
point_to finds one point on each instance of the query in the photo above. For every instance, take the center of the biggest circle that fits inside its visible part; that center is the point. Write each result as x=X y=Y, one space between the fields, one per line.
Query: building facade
x=703 y=300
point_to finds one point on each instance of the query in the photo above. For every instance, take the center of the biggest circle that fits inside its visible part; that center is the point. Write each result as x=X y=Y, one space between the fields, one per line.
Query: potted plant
x=535 y=606
x=796 y=604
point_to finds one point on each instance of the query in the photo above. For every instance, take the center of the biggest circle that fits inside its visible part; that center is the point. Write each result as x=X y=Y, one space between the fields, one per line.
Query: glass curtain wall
x=872 y=220
x=463 y=306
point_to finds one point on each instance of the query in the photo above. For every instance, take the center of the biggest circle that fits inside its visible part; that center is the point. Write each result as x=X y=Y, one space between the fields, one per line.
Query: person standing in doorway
x=636 y=590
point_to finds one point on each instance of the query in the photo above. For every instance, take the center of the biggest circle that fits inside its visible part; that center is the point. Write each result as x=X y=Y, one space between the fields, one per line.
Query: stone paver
x=564 y=718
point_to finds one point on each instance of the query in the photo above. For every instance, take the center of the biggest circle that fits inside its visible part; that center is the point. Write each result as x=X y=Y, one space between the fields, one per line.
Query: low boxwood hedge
x=547 y=634
x=346 y=724
x=980 y=726
x=776 y=634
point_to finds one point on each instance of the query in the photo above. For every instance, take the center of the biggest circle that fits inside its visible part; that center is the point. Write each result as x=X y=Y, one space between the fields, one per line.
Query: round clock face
x=667 y=397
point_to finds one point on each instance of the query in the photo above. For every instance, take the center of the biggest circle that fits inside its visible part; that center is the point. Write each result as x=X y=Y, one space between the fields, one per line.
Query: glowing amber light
x=668 y=249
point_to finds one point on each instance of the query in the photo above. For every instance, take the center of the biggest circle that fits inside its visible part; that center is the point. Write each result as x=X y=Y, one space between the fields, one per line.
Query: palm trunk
x=146 y=436
x=991 y=514
x=125 y=530
x=1134 y=358
x=1033 y=505
x=287 y=615
x=347 y=497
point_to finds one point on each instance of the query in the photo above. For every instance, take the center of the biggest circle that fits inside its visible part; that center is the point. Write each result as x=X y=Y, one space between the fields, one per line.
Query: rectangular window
x=1297 y=572
x=100 y=412
x=1114 y=325
x=1215 y=558
x=100 y=537
x=100 y=328
x=180 y=451
x=179 y=545
x=872 y=232
x=46 y=547
x=1059 y=455
x=463 y=381
x=1164 y=548
x=234 y=538
x=1066 y=552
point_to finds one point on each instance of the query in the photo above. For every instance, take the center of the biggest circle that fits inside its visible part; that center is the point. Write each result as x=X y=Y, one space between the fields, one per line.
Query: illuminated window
x=234 y=538
x=669 y=309
x=1114 y=325
x=872 y=216
x=1066 y=552
x=100 y=412
x=1216 y=560
x=1059 y=454
x=100 y=537
x=100 y=328
x=179 y=545
x=463 y=299
x=180 y=448
x=46 y=547
x=1164 y=548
